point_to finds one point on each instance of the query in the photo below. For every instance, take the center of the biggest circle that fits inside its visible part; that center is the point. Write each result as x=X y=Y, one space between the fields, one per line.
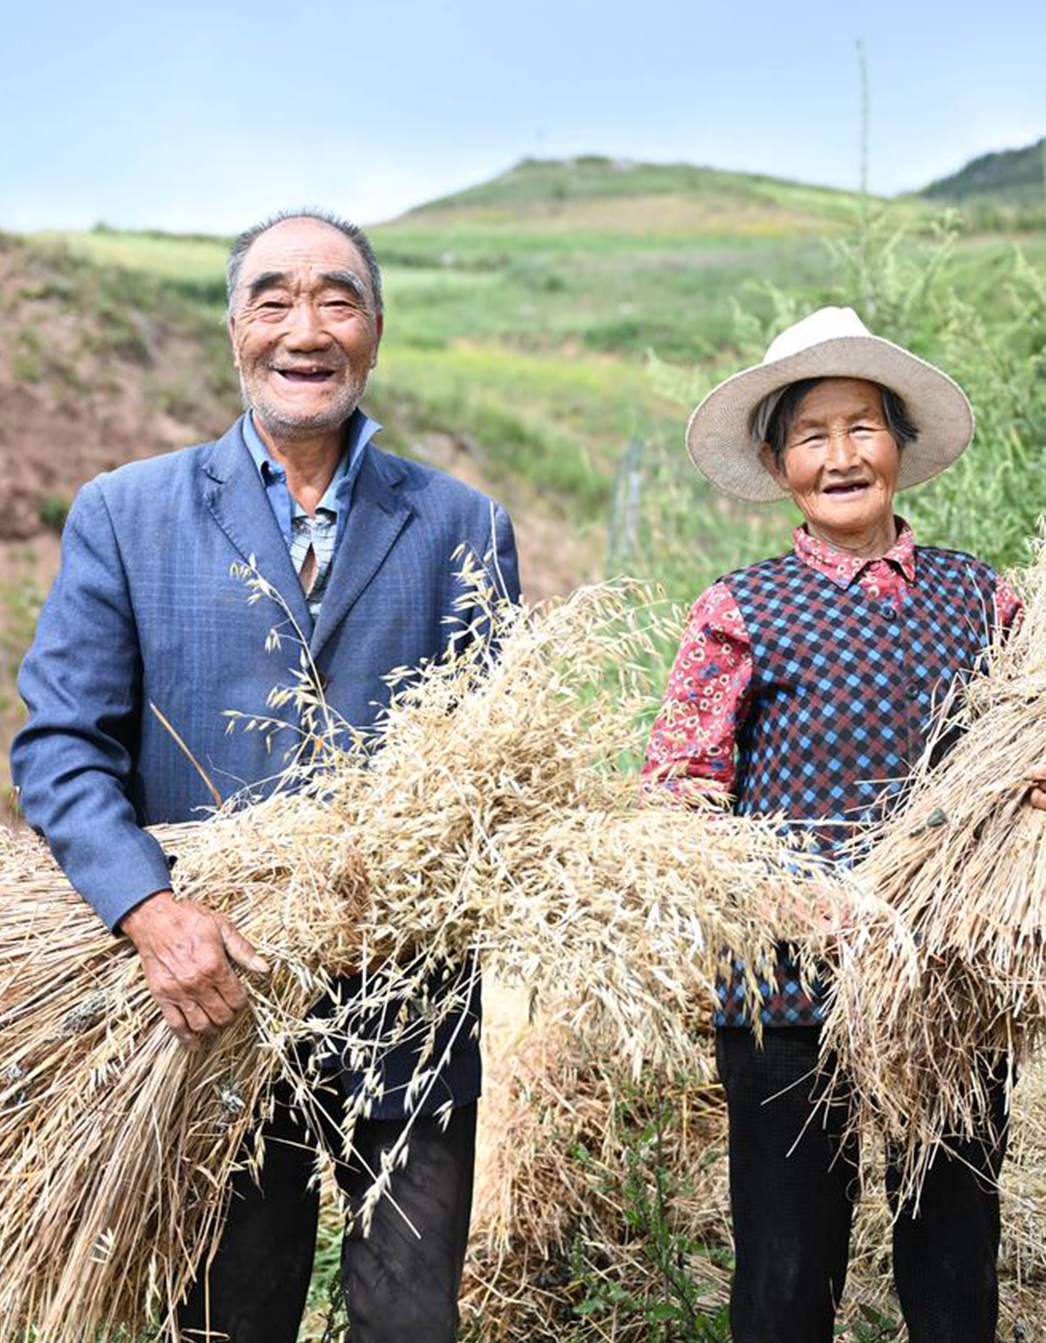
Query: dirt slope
x=98 y=367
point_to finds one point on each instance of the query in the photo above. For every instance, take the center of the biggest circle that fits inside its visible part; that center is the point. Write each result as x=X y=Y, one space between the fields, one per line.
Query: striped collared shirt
x=321 y=532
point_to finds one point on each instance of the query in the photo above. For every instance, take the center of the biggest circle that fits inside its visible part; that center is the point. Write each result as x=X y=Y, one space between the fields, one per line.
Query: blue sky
x=205 y=115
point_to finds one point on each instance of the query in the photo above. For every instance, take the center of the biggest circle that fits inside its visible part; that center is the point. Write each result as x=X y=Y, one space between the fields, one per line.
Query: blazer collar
x=377 y=515
x=235 y=495
x=378 y=512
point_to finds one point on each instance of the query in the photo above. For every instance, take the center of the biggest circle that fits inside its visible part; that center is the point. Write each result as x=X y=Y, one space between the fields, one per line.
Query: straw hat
x=830 y=343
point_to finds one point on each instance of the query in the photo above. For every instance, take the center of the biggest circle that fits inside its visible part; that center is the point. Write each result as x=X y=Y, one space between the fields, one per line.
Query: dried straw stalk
x=494 y=820
x=566 y=1144
x=942 y=976
x=569 y=1147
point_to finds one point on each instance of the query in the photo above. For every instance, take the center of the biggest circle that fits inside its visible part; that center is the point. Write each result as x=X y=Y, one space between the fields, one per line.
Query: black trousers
x=793 y=1184
x=400 y=1287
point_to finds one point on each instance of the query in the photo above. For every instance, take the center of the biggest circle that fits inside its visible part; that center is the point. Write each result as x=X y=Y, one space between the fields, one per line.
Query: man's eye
x=272 y=305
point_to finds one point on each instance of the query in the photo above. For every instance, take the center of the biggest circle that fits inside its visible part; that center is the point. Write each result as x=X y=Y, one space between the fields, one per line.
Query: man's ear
x=379 y=331
x=232 y=340
x=766 y=456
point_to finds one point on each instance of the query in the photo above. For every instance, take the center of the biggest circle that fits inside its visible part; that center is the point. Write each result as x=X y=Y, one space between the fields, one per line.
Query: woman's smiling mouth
x=846 y=487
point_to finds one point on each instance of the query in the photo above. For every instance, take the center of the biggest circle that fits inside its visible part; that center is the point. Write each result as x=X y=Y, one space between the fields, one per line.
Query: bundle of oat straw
x=489 y=822
x=942 y=977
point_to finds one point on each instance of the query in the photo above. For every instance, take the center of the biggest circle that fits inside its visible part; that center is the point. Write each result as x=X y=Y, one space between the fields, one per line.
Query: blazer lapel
x=377 y=515
x=235 y=495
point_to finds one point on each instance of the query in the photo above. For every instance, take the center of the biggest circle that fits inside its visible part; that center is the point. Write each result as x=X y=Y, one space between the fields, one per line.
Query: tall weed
x=910 y=288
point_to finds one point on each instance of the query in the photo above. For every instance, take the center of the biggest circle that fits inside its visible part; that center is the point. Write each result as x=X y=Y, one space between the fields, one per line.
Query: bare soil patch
x=97 y=370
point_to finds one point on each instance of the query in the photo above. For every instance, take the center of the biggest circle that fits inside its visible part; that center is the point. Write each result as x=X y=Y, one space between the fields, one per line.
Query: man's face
x=304 y=328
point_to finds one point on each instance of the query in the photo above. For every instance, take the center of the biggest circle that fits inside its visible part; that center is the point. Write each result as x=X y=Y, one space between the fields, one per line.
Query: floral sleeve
x=1009 y=609
x=691 y=747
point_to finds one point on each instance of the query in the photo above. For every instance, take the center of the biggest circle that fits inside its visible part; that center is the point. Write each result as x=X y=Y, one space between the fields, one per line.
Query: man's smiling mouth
x=305 y=374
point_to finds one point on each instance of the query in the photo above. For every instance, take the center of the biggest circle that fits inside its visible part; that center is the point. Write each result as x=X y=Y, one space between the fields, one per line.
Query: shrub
x=53 y=509
x=921 y=293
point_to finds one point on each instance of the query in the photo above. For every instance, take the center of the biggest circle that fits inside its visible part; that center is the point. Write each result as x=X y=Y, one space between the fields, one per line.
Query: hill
x=1013 y=176
x=523 y=315
x=680 y=196
x=605 y=255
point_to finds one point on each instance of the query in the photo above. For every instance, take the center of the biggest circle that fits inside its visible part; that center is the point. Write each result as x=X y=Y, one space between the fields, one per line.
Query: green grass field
x=564 y=309
x=168 y=256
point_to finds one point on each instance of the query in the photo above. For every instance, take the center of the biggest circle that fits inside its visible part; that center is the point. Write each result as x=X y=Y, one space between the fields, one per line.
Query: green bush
x=991 y=501
x=922 y=292
x=53 y=509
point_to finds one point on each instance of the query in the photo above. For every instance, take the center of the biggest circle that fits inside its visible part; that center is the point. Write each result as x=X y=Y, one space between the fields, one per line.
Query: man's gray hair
x=353 y=232
x=773 y=418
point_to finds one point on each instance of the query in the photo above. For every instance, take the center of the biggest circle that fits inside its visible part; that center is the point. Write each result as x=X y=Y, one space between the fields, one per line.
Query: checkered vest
x=842 y=692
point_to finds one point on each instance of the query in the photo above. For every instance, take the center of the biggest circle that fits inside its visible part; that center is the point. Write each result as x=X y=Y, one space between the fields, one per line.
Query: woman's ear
x=766 y=456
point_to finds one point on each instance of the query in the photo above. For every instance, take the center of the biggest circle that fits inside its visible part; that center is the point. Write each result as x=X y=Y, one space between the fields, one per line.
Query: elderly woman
x=801 y=686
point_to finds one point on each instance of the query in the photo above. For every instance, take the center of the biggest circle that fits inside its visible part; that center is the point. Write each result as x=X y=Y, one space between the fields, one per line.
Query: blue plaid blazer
x=145 y=608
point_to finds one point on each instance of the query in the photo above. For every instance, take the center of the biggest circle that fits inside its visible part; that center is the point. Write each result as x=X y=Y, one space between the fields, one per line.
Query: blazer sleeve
x=504 y=560
x=499 y=563
x=82 y=684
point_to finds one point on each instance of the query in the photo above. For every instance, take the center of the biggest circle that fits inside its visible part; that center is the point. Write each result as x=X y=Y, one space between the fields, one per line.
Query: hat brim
x=718 y=436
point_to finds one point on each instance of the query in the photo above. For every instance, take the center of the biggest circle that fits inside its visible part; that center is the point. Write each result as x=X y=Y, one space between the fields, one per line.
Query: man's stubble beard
x=274 y=420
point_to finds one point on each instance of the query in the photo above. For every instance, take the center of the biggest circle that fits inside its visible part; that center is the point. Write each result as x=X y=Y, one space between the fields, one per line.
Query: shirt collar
x=359 y=430
x=842 y=568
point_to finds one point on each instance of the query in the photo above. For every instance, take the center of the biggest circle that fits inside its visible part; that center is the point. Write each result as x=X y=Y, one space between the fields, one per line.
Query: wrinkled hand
x=1037 y=792
x=186 y=952
x=832 y=911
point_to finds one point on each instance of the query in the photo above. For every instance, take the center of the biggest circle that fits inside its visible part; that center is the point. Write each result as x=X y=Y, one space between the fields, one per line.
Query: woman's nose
x=840 y=449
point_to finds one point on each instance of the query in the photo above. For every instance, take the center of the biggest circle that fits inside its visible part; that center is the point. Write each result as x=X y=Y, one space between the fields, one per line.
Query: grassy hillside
x=546 y=189
x=520 y=313
x=537 y=325
x=1017 y=176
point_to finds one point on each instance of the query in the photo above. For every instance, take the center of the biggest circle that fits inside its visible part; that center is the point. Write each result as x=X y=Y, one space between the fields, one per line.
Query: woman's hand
x=833 y=911
x=1037 y=792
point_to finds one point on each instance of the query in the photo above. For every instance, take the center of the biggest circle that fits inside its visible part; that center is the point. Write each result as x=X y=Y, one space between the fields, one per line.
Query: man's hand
x=185 y=951
x=1037 y=794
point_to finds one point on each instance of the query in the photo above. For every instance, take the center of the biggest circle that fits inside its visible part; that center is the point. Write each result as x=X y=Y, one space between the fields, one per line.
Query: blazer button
x=887 y=610
x=912 y=690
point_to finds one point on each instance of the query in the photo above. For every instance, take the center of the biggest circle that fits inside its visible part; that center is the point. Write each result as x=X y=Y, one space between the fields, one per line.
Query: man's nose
x=305 y=329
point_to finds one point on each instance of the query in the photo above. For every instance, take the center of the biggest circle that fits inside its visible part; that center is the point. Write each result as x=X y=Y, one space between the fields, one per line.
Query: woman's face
x=840 y=461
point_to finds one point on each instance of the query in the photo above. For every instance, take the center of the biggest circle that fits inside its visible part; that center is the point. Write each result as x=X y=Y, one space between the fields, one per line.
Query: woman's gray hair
x=353 y=232
x=772 y=420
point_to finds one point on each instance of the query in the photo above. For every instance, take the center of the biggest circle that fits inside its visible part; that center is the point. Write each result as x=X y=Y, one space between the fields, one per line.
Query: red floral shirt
x=691 y=747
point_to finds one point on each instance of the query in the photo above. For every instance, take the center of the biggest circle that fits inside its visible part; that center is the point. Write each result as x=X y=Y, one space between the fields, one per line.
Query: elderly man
x=145 y=610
